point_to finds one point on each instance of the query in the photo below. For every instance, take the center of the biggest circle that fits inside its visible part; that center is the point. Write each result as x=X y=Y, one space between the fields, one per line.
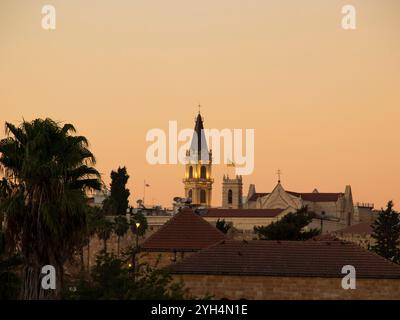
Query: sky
x=324 y=102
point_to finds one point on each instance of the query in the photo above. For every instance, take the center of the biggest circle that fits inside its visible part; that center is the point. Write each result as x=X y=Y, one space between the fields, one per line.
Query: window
x=230 y=196
x=202 y=196
x=190 y=194
x=190 y=172
x=203 y=172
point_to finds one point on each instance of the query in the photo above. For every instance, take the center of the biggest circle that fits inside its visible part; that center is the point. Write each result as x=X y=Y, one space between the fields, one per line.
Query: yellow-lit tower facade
x=198 y=181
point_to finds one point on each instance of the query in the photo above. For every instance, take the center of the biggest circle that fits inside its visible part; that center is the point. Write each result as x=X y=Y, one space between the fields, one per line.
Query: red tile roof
x=306 y=196
x=317 y=196
x=286 y=259
x=257 y=195
x=186 y=231
x=361 y=228
x=242 y=213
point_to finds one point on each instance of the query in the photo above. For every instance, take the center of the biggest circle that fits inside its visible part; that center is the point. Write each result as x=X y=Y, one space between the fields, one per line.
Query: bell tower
x=198 y=181
x=232 y=192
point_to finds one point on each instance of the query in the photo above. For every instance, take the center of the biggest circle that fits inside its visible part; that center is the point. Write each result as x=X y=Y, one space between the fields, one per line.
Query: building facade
x=337 y=209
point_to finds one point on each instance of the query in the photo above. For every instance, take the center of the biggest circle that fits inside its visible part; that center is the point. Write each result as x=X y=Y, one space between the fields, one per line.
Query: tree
x=386 y=232
x=139 y=217
x=94 y=214
x=45 y=213
x=121 y=226
x=9 y=280
x=104 y=230
x=223 y=226
x=110 y=279
x=117 y=203
x=290 y=227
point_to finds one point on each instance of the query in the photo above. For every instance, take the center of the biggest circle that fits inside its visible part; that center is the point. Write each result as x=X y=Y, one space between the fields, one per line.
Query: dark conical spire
x=199 y=143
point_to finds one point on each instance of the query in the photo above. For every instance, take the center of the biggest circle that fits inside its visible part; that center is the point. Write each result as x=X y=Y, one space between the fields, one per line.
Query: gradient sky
x=324 y=102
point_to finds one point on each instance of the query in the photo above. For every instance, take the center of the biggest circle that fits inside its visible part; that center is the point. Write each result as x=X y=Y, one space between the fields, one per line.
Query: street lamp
x=137 y=234
x=135 y=259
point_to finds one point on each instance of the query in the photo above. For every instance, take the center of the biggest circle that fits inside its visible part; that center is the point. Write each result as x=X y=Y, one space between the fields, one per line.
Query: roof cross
x=279 y=173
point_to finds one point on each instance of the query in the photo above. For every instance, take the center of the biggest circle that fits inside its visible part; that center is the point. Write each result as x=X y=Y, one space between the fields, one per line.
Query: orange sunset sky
x=324 y=102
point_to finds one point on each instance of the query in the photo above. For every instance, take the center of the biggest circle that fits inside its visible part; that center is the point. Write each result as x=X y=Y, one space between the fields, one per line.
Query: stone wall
x=364 y=241
x=242 y=223
x=162 y=259
x=287 y=288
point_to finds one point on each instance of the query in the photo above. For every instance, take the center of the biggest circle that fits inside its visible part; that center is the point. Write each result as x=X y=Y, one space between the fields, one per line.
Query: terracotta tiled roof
x=317 y=196
x=243 y=213
x=186 y=231
x=255 y=196
x=287 y=259
x=306 y=196
x=361 y=228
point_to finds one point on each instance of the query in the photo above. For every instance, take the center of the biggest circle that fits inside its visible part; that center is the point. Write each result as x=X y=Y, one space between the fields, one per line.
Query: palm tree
x=93 y=216
x=104 y=231
x=121 y=228
x=5 y=192
x=45 y=215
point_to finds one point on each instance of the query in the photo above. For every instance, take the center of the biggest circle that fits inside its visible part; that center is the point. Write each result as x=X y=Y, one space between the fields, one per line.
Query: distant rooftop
x=317 y=196
x=242 y=213
x=360 y=228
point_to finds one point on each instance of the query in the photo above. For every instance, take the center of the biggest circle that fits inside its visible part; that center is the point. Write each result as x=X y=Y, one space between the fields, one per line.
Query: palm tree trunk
x=32 y=282
x=118 y=244
x=82 y=260
x=88 y=255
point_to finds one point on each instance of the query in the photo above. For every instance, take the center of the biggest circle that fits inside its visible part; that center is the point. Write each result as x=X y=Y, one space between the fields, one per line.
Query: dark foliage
x=386 y=232
x=290 y=227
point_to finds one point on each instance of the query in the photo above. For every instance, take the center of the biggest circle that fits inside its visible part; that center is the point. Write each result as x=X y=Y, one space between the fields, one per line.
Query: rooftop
x=317 y=196
x=186 y=231
x=360 y=228
x=286 y=259
x=242 y=213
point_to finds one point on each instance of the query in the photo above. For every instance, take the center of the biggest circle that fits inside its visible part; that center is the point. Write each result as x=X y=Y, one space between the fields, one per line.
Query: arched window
x=202 y=196
x=230 y=196
x=190 y=194
x=190 y=172
x=203 y=172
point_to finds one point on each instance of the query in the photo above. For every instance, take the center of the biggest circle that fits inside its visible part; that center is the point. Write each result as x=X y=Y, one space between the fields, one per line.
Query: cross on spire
x=279 y=173
x=199 y=107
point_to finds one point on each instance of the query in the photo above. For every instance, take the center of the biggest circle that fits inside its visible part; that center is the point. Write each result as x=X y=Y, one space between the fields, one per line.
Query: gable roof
x=186 y=231
x=242 y=213
x=360 y=228
x=287 y=259
x=257 y=195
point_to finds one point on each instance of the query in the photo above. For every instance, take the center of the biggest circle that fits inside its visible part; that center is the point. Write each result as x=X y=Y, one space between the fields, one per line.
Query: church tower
x=198 y=181
x=232 y=192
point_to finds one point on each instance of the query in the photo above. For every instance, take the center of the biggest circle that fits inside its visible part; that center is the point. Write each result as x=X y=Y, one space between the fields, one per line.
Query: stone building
x=182 y=235
x=287 y=270
x=359 y=234
x=336 y=209
x=243 y=221
x=232 y=192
